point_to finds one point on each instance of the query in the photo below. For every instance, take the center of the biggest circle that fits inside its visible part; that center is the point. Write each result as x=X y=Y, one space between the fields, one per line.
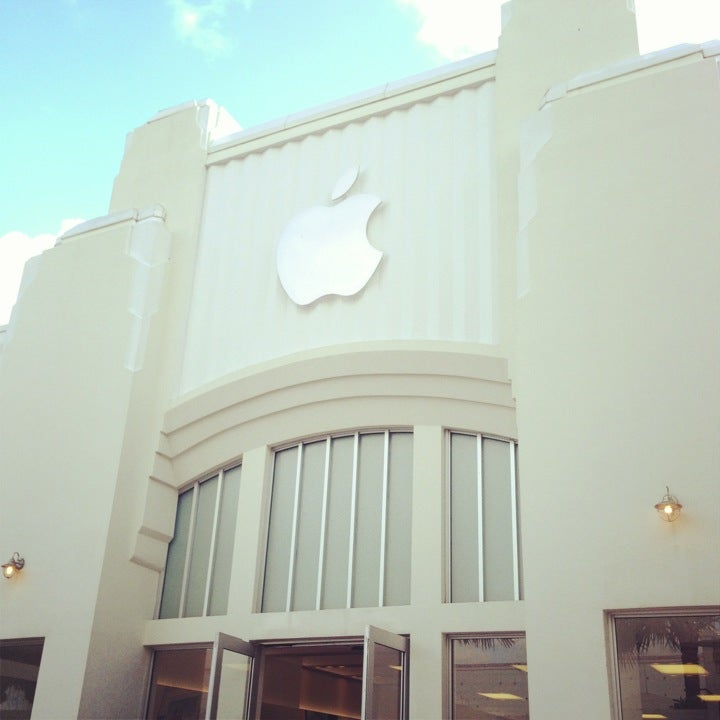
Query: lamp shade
x=669 y=507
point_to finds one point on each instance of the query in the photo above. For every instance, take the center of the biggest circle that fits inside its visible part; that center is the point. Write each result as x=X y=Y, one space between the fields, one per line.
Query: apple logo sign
x=325 y=250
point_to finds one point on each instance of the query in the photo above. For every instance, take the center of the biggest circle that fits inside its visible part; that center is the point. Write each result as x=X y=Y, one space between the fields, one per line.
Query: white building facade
x=364 y=413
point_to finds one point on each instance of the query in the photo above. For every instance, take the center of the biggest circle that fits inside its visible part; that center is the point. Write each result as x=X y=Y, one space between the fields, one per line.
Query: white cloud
x=16 y=248
x=458 y=28
x=201 y=23
x=664 y=23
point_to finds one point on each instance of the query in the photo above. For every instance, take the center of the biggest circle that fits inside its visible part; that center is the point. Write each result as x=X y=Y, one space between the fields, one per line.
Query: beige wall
x=616 y=373
x=63 y=396
x=155 y=345
x=86 y=369
x=436 y=227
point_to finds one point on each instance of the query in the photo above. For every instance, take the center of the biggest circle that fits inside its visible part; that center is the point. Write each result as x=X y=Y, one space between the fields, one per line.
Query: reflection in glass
x=180 y=684
x=489 y=678
x=669 y=666
x=319 y=682
x=387 y=683
x=19 y=665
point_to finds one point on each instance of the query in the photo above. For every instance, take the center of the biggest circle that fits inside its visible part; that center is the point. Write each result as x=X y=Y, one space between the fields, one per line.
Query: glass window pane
x=669 y=666
x=307 y=550
x=464 y=541
x=179 y=684
x=366 y=569
x=234 y=678
x=337 y=538
x=277 y=564
x=19 y=666
x=175 y=565
x=489 y=678
x=224 y=542
x=387 y=683
x=497 y=540
x=200 y=551
x=399 y=527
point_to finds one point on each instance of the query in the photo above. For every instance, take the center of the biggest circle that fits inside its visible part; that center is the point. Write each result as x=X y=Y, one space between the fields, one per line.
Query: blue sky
x=77 y=75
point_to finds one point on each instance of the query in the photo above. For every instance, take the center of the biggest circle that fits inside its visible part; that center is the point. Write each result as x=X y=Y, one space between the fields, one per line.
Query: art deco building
x=366 y=411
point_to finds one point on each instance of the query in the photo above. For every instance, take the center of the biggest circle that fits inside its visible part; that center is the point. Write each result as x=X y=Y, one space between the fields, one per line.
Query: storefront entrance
x=306 y=680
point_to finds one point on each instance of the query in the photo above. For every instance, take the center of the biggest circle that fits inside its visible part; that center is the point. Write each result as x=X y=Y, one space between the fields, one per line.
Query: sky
x=76 y=76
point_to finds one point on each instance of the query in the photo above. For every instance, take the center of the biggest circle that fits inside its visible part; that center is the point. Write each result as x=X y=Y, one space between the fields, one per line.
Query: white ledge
x=157 y=211
x=630 y=66
x=166 y=112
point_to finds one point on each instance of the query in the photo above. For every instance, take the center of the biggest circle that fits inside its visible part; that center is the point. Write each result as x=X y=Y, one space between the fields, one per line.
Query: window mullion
x=448 y=515
x=514 y=511
x=383 y=520
x=188 y=550
x=353 y=501
x=213 y=539
x=293 y=536
x=481 y=544
x=323 y=526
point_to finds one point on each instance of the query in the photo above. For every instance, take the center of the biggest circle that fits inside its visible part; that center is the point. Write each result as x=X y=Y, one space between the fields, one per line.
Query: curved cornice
x=396 y=378
x=364 y=385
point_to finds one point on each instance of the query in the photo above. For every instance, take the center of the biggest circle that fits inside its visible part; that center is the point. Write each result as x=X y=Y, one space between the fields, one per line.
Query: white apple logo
x=325 y=250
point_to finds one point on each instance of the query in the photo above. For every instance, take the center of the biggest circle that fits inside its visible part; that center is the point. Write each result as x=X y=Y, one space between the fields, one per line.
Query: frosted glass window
x=200 y=549
x=366 y=580
x=309 y=512
x=224 y=543
x=464 y=516
x=199 y=561
x=339 y=530
x=176 y=558
x=282 y=505
x=400 y=473
x=484 y=556
x=339 y=509
x=498 y=520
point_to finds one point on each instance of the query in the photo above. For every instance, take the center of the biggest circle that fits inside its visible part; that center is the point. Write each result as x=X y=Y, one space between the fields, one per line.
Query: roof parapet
x=630 y=66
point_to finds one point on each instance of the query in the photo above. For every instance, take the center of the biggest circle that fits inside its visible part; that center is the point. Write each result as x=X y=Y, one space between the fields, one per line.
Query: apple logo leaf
x=324 y=250
x=345 y=182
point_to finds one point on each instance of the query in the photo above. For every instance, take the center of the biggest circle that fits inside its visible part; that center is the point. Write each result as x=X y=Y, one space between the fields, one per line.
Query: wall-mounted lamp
x=13 y=566
x=668 y=507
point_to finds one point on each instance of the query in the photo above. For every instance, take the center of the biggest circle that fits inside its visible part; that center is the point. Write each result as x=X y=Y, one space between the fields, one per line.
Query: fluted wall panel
x=430 y=163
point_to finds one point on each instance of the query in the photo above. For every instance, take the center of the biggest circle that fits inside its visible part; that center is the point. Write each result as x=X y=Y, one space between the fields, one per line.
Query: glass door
x=385 y=675
x=230 y=679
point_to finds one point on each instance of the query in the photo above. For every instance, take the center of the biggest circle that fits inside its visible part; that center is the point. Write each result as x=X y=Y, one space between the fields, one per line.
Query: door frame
x=237 y=645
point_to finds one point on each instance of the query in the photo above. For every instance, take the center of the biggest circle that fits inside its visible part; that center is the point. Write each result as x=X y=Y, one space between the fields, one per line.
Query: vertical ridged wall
x=432 y=166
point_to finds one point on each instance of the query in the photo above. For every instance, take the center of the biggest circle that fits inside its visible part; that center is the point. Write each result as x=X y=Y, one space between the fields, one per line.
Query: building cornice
x=631 y=67
x=385 y=98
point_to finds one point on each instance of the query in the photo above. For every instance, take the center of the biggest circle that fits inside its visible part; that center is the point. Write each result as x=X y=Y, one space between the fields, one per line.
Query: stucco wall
x=63 y=400
x=617 y=368
x=431 y=164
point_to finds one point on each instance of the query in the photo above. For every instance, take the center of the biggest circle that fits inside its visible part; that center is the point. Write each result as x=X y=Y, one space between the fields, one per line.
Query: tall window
x=484 y=553
x=197 y=572
x=340 y=521
x=668 y=664
x=489 y=677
